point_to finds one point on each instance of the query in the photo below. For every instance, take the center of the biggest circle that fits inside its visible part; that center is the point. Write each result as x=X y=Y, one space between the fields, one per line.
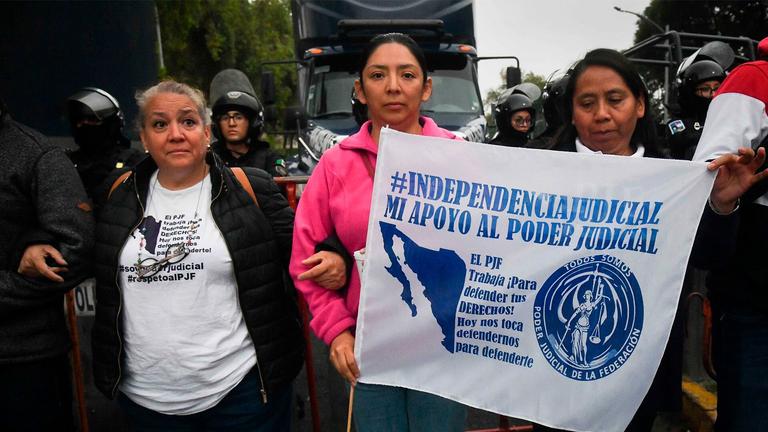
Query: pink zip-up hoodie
x=337 y=199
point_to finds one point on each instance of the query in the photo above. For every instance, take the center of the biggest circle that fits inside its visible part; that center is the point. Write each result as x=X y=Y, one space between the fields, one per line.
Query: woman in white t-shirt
x=195 y=329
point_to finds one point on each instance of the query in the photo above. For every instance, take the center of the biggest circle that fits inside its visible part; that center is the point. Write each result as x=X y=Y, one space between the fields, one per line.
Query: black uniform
x=511 y=101
x=684 y=130
x=552 y=104
x=707 y=64
x=96 y=122
x=511 y=138
x=99 y=168
x=231 y=90
x=259 y=155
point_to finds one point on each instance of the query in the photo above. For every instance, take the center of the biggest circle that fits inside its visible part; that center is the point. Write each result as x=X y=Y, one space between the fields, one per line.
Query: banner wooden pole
x=77 y=365
x=349 y=409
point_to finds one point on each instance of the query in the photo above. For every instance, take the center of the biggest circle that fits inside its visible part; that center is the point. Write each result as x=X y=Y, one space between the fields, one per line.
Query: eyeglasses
x=88 y=121
x=522 y=121
x=237 y=117
x=706 y=91
x=149 y=267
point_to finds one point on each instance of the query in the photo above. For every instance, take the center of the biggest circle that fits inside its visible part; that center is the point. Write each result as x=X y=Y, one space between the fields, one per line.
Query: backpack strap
x=118 y=182
x=245 y=183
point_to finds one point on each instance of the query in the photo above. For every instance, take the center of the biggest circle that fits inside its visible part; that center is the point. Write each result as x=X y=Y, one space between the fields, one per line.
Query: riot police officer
x=515 y=115
x=552 y=105
x=238 y=117
x=698 y=78
x=96 y=122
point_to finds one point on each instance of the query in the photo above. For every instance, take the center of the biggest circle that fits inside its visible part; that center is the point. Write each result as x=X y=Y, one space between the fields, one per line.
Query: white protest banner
x=536 y=284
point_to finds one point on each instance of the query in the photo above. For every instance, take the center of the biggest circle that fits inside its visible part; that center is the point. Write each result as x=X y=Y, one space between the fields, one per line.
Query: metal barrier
x=77 y=365
x=706 y=347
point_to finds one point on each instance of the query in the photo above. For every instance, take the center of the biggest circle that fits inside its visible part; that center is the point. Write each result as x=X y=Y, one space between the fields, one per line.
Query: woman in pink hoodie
x=393 y=84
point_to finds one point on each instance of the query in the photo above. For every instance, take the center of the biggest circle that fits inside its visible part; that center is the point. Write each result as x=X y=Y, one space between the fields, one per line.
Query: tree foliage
x=747 y=18
x=202 y=37
x=493 y=94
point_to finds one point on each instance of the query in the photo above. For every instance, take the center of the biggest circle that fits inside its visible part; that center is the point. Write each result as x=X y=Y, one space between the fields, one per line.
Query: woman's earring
x=146 y=150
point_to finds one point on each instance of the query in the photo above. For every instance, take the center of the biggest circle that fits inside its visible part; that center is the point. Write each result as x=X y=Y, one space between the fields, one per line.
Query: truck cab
x=330 y=37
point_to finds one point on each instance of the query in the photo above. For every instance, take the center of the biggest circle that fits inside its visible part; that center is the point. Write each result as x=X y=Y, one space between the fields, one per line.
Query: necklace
x=147 y=267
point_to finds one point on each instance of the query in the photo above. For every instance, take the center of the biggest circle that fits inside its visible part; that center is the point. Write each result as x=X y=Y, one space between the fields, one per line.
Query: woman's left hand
x=33 y=263
x=328 y=270
x=343 y=356
x=736 y=174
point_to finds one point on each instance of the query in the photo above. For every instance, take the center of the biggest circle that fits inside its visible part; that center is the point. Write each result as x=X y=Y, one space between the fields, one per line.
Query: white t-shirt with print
x=185 y=340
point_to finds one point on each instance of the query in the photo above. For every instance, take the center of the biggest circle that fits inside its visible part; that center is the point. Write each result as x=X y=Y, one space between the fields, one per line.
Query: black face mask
x=699 y=107
x=93 y=138
x=514 y=133
x=513 y=137
x=692 y=105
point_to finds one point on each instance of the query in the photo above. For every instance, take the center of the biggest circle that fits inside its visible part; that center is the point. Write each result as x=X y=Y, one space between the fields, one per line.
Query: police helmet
x=508 y=103
x=702 y=70
x=231 y=90
x=707 y=63
x=95 y=104
x=515 y=102
x=552 y=100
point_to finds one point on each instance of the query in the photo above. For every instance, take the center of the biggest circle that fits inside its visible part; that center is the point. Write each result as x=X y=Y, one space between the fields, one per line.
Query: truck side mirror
x=514 y=76
x=294 y=117
x=270 y=114
x=268 y=88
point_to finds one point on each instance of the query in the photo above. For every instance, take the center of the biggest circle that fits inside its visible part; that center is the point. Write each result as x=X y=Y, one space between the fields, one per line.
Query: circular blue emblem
x=588 y=317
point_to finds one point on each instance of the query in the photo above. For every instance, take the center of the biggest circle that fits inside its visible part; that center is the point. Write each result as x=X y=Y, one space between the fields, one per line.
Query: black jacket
x=259 y=155
x=732 y=247
x=43 y=202
x=98 y=170
x=259 y=242
x=683 y=136
x=511 y=139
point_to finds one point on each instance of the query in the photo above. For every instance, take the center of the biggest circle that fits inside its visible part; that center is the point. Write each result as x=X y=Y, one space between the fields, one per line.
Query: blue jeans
x=741 y=361
x=240 y=411
x=379 y=408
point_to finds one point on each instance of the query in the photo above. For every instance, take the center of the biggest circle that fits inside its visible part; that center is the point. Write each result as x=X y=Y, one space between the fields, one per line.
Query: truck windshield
x=330 y=93
x=453 y=89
